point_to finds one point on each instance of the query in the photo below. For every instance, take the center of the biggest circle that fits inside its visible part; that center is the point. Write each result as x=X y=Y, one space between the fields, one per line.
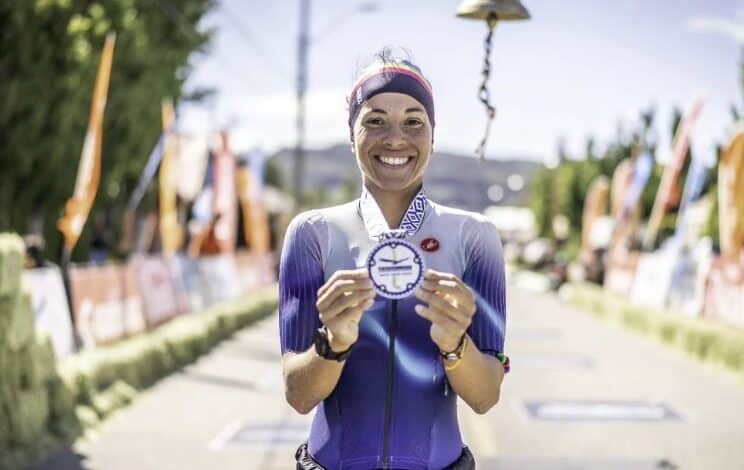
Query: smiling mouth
x=393 y=161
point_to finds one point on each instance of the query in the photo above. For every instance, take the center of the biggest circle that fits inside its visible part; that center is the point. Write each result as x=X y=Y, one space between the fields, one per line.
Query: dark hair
x=384 y=56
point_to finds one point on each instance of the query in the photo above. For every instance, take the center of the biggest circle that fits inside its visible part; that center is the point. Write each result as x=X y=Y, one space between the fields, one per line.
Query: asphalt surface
x=582 y=394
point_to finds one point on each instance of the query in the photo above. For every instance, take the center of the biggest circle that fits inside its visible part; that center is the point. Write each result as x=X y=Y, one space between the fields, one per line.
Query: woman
x=384 y=374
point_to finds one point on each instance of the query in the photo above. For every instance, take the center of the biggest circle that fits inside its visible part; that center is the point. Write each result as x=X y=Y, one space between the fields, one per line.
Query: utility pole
x=302 y=50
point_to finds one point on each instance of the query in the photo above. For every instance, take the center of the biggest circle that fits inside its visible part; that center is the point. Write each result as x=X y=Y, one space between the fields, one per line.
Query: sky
x=577 y=69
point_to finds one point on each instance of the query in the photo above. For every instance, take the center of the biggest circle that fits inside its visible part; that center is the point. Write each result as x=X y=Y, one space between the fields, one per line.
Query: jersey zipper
x=389 y=395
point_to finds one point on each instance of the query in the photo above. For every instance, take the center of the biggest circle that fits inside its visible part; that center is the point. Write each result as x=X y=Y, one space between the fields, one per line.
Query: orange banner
x=171 y=235
x=255 y=217
x=669 y=191
x=225 y=202
x=731 y=198
x=595 y=207
x=78 y=206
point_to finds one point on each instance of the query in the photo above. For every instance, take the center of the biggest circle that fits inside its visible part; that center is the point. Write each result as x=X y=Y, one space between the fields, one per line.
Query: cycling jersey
x=392 y=406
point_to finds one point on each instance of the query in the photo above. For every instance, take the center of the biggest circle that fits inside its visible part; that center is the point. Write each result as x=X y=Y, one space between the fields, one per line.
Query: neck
x=393 y=204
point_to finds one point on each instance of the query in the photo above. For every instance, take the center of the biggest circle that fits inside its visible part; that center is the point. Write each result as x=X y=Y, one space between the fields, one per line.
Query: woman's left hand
x=450 y=307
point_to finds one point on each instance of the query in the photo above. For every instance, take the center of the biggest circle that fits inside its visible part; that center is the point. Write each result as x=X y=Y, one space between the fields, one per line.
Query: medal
x=396 y=268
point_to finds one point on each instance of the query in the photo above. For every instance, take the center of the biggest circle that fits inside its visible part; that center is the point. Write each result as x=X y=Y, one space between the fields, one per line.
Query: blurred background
x=154 y=152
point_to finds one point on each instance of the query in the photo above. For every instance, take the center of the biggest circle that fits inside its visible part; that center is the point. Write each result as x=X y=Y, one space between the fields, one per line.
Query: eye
x=414 y=122
x=374 y=121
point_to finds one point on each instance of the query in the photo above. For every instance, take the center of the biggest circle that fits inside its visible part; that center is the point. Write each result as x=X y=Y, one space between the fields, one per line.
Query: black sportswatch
x=323 y=347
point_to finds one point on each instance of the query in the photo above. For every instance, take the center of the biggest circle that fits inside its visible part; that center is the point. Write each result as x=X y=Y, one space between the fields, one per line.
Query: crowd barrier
x=692 y=282
x=652 y=279
x=114 y=301
x=724 y=294
x=50 y=306
x=620 y=273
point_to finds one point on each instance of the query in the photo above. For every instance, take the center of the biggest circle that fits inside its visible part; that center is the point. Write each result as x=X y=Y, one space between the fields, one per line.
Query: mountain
x=452 y=180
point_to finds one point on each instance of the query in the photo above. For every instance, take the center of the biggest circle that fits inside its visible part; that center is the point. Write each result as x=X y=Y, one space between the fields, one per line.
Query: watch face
x=396 y=268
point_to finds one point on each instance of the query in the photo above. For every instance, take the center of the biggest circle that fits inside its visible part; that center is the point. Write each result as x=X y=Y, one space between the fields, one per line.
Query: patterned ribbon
x=375 y=223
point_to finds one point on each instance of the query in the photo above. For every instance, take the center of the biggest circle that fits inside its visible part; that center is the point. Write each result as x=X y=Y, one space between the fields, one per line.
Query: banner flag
x=595 y=206
x=78 y=206
x=697 y=175
x=255 y=217
x=731 y=198
x=151 y=167
x=642 y=169
x=171 y=235
x=668 y=192
x=225 y=200
x=191 y=166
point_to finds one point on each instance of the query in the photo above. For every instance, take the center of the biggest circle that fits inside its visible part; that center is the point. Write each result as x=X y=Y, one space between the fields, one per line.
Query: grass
x=707 y=341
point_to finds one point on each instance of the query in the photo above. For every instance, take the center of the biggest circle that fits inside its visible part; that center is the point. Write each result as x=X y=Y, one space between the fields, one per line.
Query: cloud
x=731 y=28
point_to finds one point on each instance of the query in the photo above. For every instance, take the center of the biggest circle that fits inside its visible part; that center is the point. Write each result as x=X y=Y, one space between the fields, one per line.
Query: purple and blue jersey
x=392 y=406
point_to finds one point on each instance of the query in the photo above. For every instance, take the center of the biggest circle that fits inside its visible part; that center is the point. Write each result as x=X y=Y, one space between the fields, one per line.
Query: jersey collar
x=376 y=224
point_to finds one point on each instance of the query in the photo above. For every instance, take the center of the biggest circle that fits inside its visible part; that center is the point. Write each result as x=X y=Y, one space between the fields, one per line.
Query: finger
x=343 y=302
x=355 y=313
x=433 y=275
x=438 y=303
x=448 y=289
x=440 y=319
x=341 y=287
x=351 y=315
x=347 y=274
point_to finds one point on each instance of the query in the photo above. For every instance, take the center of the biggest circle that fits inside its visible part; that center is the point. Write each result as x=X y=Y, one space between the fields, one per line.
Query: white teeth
x=394 y=161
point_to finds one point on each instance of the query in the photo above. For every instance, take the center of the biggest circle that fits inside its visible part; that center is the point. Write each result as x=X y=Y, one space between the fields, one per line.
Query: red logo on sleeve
x=430 y=244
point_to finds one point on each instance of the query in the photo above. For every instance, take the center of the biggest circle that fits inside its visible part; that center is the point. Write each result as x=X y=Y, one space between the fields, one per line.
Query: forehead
x=391 y=103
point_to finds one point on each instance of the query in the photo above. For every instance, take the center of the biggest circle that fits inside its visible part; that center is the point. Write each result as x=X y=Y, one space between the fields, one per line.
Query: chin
x=396 y=186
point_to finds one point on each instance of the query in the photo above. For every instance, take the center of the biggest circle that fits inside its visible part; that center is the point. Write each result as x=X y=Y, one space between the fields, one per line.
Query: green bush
x=44 y=405
x=705 y=340
x=12 y=256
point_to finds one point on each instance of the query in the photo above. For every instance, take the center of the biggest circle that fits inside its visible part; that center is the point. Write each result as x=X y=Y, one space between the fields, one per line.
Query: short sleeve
x=300 y=277
x=484 y=274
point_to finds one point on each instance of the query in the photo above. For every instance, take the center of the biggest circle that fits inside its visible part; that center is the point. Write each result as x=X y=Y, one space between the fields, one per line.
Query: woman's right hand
x=341 y=302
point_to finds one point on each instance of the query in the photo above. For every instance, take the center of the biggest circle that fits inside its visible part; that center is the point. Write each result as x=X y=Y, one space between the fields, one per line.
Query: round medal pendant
x=396 y=268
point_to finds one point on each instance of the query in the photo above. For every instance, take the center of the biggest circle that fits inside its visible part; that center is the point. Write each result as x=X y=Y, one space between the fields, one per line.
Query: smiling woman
x=385 y=371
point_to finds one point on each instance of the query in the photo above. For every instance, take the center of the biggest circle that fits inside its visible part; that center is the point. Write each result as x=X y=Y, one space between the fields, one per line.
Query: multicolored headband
x=397 y=77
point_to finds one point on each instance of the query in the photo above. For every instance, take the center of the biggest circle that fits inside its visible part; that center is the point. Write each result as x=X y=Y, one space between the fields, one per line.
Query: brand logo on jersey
x=430 y=244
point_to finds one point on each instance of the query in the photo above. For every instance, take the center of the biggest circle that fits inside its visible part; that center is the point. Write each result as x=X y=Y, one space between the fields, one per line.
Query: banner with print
x=189 y=283
x=221 y=275
x=621 y=272
x=255 y=269
x=724 y=297
x=50 y=307
x=97 y=296
x=161 y=301
x=687 y=289
x=653 y=277
x=134 y=315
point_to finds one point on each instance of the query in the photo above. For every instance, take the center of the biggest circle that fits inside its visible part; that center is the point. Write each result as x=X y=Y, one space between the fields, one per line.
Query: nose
x=395 y=138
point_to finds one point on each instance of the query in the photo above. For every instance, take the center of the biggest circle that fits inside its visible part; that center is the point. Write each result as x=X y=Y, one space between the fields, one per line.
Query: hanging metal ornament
x=491 y=11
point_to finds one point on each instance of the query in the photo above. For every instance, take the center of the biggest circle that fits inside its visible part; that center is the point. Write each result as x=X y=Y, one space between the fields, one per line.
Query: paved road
x=582 y=394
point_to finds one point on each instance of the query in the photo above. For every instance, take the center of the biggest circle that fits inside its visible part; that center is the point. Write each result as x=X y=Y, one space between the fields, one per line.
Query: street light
x=303 y=45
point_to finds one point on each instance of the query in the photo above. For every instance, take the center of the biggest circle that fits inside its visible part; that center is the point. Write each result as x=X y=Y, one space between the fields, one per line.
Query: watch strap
x=323 y=347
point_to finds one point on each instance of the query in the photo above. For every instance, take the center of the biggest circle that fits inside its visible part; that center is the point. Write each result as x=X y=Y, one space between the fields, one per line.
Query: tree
x=51 y=50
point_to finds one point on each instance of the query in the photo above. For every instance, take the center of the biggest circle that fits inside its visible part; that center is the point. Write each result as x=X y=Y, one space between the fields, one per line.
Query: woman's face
x=392 y=142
